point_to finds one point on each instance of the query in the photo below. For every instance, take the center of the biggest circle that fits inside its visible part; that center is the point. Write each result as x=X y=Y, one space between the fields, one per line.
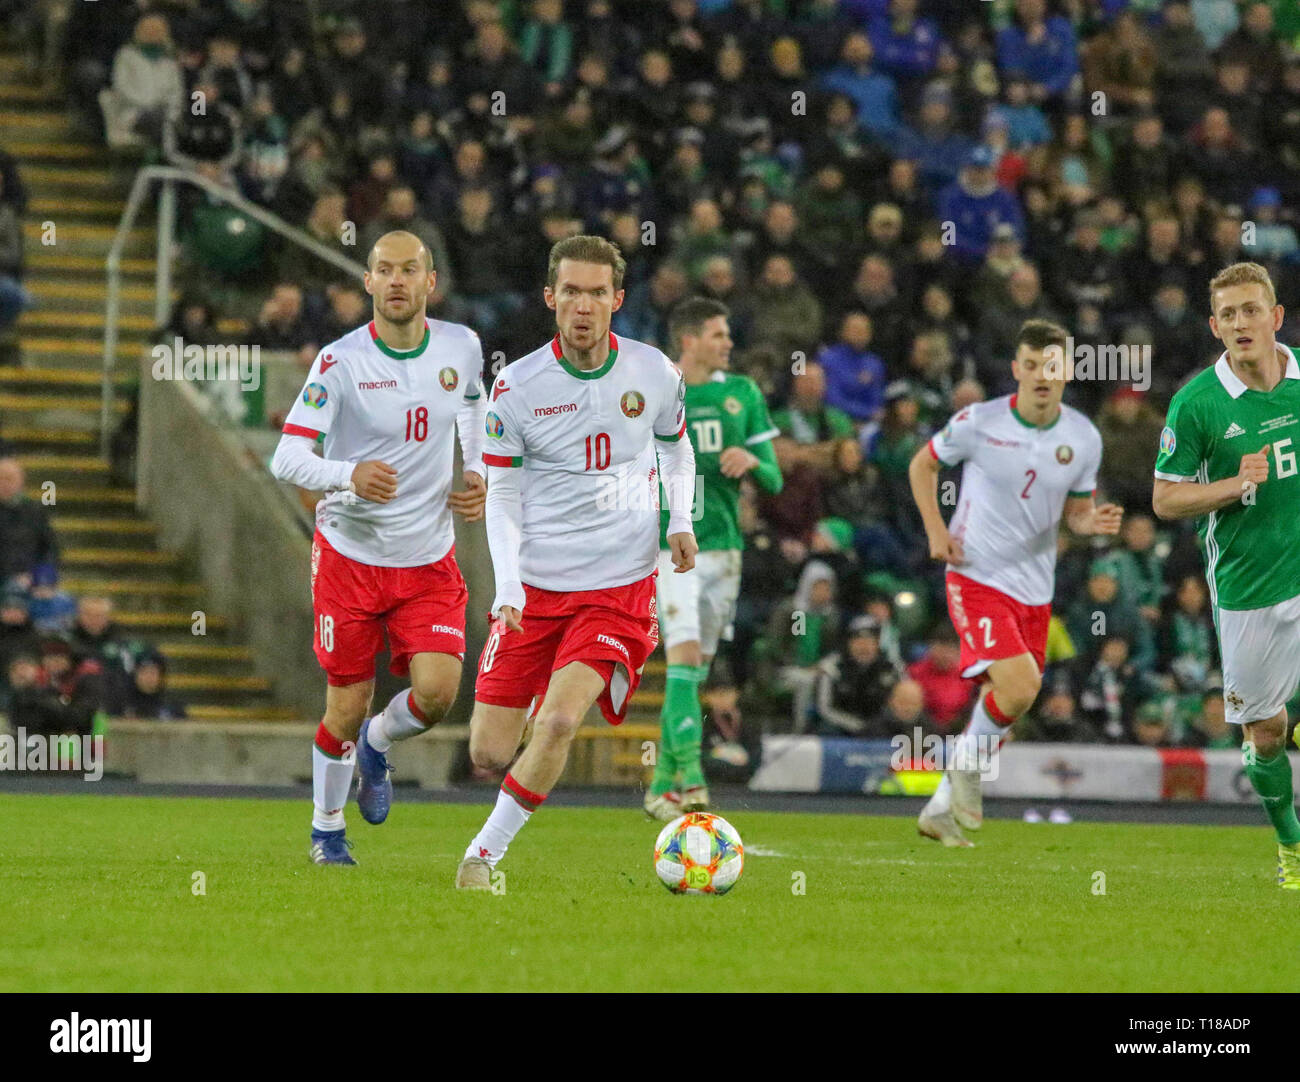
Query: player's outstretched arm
x=758 y=460
x=1191 y=499
x=296 y=462
x=923 y=476
x=504 y=513
x=677 y=468
x=1085 y=517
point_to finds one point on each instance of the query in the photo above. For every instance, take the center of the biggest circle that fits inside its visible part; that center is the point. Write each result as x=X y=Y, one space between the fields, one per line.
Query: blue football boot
x=374 y=788
x=330 y=847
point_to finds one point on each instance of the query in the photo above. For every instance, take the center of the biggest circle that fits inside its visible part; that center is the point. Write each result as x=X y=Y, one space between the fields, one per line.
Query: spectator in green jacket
x=1140 y=565
x=786 y=314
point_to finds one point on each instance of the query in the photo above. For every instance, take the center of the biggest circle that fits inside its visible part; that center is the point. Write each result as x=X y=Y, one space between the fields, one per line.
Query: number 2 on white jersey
x=986 y=623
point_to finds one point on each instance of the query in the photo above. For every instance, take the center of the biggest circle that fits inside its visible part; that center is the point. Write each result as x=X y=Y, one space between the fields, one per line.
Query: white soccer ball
x=699 y=853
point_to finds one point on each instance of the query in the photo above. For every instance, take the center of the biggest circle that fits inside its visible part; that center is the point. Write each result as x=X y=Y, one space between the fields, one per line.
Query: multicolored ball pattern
x=699 y=853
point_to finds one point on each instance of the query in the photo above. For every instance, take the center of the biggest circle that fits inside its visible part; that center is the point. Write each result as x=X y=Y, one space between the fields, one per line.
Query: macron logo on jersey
x=376 y=384
x=499 y=389
x=551 y=411
x=612 y=642
x=327 y=362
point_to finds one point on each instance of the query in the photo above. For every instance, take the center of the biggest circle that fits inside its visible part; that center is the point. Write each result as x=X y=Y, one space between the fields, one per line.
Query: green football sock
x=665 y=776
x=1272 y=781
x=689 y=736
x=675 y=699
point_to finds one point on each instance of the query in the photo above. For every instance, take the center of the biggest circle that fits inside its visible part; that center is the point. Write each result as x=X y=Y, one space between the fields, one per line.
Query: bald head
x=400 y=276
x=399 y=246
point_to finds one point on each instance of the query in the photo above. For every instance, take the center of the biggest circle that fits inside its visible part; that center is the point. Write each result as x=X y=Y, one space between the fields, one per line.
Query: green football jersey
x=1252 y=549
x=728 y=411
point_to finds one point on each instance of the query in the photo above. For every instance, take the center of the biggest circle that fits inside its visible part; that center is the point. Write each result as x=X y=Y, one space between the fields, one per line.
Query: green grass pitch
x=98 y=894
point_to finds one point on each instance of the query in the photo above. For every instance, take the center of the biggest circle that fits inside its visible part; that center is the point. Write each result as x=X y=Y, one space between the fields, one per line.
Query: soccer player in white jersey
x=1228 y=458
x=579 y=432
x=1028 y=458
x=386 y=399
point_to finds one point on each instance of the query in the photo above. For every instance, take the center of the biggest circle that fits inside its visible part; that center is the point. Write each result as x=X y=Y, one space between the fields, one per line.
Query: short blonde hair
x=586 y=248
x=1243 y=274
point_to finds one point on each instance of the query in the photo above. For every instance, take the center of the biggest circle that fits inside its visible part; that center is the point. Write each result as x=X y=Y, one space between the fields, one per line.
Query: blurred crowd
x=65 y=664
x=881 y=191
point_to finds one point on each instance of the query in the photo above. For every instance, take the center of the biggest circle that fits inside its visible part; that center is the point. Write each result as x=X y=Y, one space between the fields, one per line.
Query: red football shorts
x=614 y=631
x=993 y=626
x=421 y=608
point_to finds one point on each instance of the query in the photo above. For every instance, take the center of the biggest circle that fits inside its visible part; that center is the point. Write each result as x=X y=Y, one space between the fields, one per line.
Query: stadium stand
x=799 y=159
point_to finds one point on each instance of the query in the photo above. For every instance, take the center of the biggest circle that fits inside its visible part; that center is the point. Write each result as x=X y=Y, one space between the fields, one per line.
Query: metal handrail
x=170 y=176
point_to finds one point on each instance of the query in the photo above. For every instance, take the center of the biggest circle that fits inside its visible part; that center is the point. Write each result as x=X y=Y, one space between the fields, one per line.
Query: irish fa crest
x=632 y=404
x=732 y=405
x=448 y=377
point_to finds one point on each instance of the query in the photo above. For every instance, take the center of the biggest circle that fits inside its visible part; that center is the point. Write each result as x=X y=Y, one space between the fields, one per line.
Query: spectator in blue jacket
x=907 y=46
x=1026 y=124
x=976 y=205
x=935 y=144
x=1042 y=47
x=855 y=377
x=873 y=92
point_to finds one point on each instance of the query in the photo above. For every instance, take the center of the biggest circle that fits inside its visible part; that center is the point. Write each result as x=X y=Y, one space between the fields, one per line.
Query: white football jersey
x=586 y=444
x=1013 y=490
x=373 y=402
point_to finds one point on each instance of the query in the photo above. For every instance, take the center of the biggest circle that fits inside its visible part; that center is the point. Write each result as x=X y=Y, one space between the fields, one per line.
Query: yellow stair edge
x=62 y=151
x=53 y=287
x=72 y=377
x=146 y=587
x=74 y=205
x=82 y=347
x=200 y=651
x=48 y=261
x=118 y=556
x=207 y=712
x=36 y=402
x=21 y=433
x=36 y=175
x=86 y=493
x=89 y=463
x=79 y=230
x=102 y=525
x=199 y=682
x=133 y=618
x=53 y=318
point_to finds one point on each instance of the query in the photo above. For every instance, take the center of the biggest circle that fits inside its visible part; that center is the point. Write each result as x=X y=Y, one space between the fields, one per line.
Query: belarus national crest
x=448 y=377
x=1064 y=454
x=632 y=404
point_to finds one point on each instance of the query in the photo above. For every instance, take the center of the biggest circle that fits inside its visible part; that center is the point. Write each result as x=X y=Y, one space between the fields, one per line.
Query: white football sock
x=330 y=781
x=942 y=800
x=395 y=722
x=982 y=734
x=506 y=820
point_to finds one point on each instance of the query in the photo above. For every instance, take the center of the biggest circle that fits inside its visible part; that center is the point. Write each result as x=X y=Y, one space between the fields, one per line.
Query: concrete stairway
x=49 y=406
